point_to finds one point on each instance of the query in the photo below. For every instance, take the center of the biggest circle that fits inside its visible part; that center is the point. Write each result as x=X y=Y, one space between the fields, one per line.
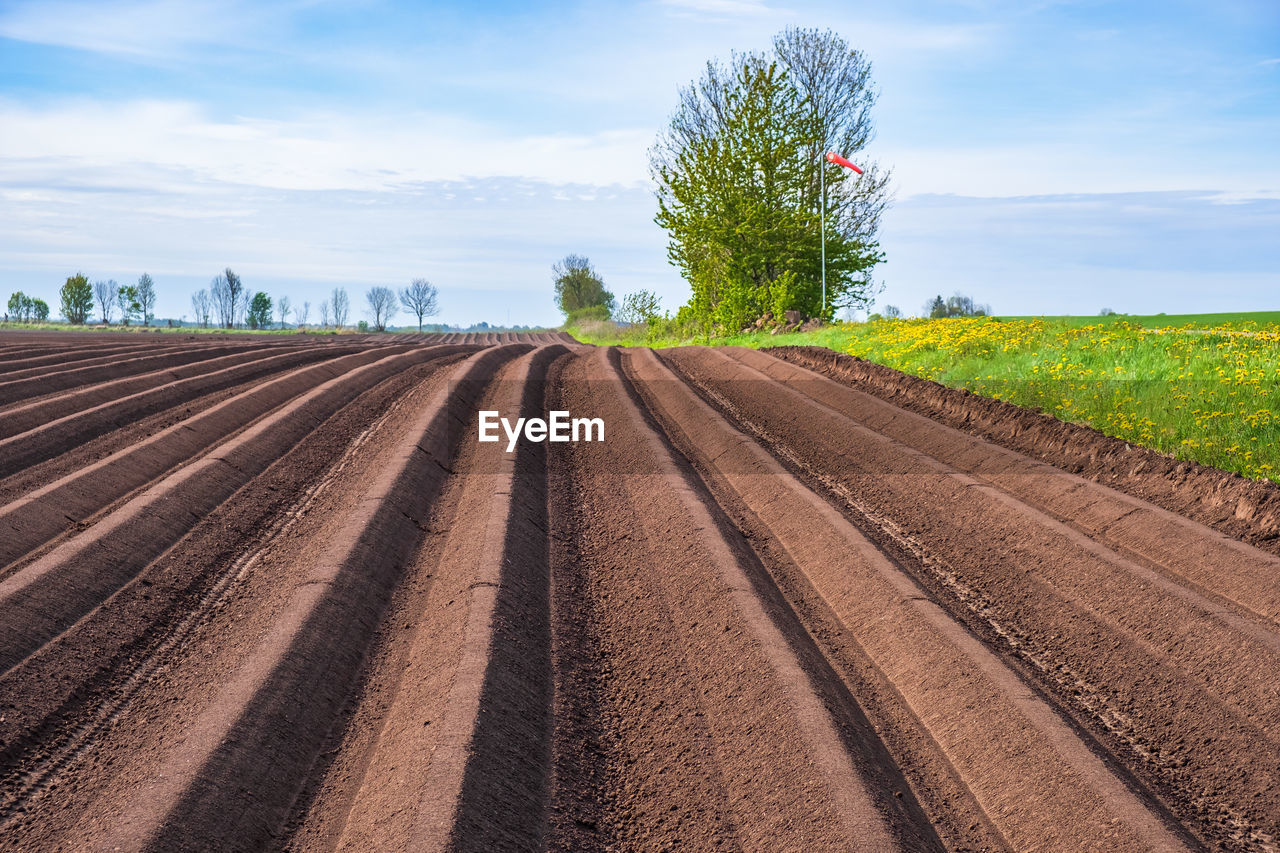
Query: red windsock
x=836 y=158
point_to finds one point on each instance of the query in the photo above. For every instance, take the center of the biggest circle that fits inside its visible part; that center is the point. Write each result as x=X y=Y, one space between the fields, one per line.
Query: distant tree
x=382 y=305
x=579 y=286
x=892 y=312
x=362 y=326
x=19 y=307
x=341 y=306
x=1106 y=312
x=284 y=309
x=127 y=299
x=242 y=308
x=239 y=298
x=39 y=310
x=304 y=313
x=421 y=298
x=324 y=313
x=224 y=301
x=146 y=297
x=77 y=299
x=200 y=306
x=106 y=293
x=259 y=313
x=958 y=305
x=639 y=307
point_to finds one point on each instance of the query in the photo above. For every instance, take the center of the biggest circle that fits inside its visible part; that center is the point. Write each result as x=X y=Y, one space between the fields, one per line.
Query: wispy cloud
x=140 y=29
x=312 y=151
x=721 y=8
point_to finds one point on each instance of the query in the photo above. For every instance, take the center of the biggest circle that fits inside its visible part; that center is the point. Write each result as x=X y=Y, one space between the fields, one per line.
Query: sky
x=1047 y=157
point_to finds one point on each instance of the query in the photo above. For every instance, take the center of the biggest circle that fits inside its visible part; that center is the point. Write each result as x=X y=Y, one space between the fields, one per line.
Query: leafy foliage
x=958 y=305
x=27 y=309
x=127 y=299
x=259 y=316
x=739 y=183
x=579 y=286
x=643 y=306
x=77 y=299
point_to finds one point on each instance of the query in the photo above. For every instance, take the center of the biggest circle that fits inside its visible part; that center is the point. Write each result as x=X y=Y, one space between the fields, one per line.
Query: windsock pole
x=832 y=157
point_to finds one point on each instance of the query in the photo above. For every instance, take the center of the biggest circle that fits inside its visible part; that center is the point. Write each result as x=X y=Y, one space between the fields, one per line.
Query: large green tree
x=738 y=180
x=259 y=314
x=77 y=299
x=127 y=299
x=21 y=307
x=578 y=286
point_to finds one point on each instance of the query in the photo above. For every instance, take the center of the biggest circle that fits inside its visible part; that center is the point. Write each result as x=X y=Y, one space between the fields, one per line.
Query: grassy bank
x=1207 y=394
x=1199 y=387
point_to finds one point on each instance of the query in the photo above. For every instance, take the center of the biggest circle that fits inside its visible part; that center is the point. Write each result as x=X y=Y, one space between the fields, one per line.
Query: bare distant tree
x=200 y=306
x=234 y=282
x=284 y=308
x=324 y=313
x=341 y=306
x=224 y=301
x=382 y=305
x=242 y=307
x=421 y=298
x=303 y=313
x=106 y=292
x=146 y=297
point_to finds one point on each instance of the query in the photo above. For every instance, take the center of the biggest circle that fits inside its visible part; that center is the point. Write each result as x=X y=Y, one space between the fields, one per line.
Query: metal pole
x=822 y=218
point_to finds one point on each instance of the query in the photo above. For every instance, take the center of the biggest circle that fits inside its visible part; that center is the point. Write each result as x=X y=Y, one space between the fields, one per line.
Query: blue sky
x=1048 y=157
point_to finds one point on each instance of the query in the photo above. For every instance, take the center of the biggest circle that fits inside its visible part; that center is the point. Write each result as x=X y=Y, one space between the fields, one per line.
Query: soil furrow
x=91 y=695
x=12 y=364
x=1135 y=656
x=43 y=410
x=47 y=382
x=48 y=438
x=697 y=668
x=238 y=767
x=72 y=500
x=1038 y=783
x=404 y=774
x=42 y=598
x=273 y=593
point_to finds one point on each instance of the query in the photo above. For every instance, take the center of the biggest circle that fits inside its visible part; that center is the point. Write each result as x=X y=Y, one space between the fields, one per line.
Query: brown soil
x=1248 y=510
x=285 y=600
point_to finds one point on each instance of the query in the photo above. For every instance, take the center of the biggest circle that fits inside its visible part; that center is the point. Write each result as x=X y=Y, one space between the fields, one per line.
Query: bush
x=596 y=313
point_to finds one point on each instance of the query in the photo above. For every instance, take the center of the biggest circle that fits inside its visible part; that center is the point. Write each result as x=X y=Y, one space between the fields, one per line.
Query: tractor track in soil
x=277 y=596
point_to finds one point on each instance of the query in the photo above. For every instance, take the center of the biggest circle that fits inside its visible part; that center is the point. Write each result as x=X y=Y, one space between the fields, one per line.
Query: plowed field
x=273 y=593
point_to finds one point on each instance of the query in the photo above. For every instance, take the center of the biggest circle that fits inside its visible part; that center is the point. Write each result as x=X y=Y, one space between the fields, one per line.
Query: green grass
x=1237 y=319
x=1191 y=386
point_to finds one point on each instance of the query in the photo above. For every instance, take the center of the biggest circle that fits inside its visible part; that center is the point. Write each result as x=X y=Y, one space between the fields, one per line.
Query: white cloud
x=1046 y=168
x=136 y=28
x=179 y=143
x=725 y=8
